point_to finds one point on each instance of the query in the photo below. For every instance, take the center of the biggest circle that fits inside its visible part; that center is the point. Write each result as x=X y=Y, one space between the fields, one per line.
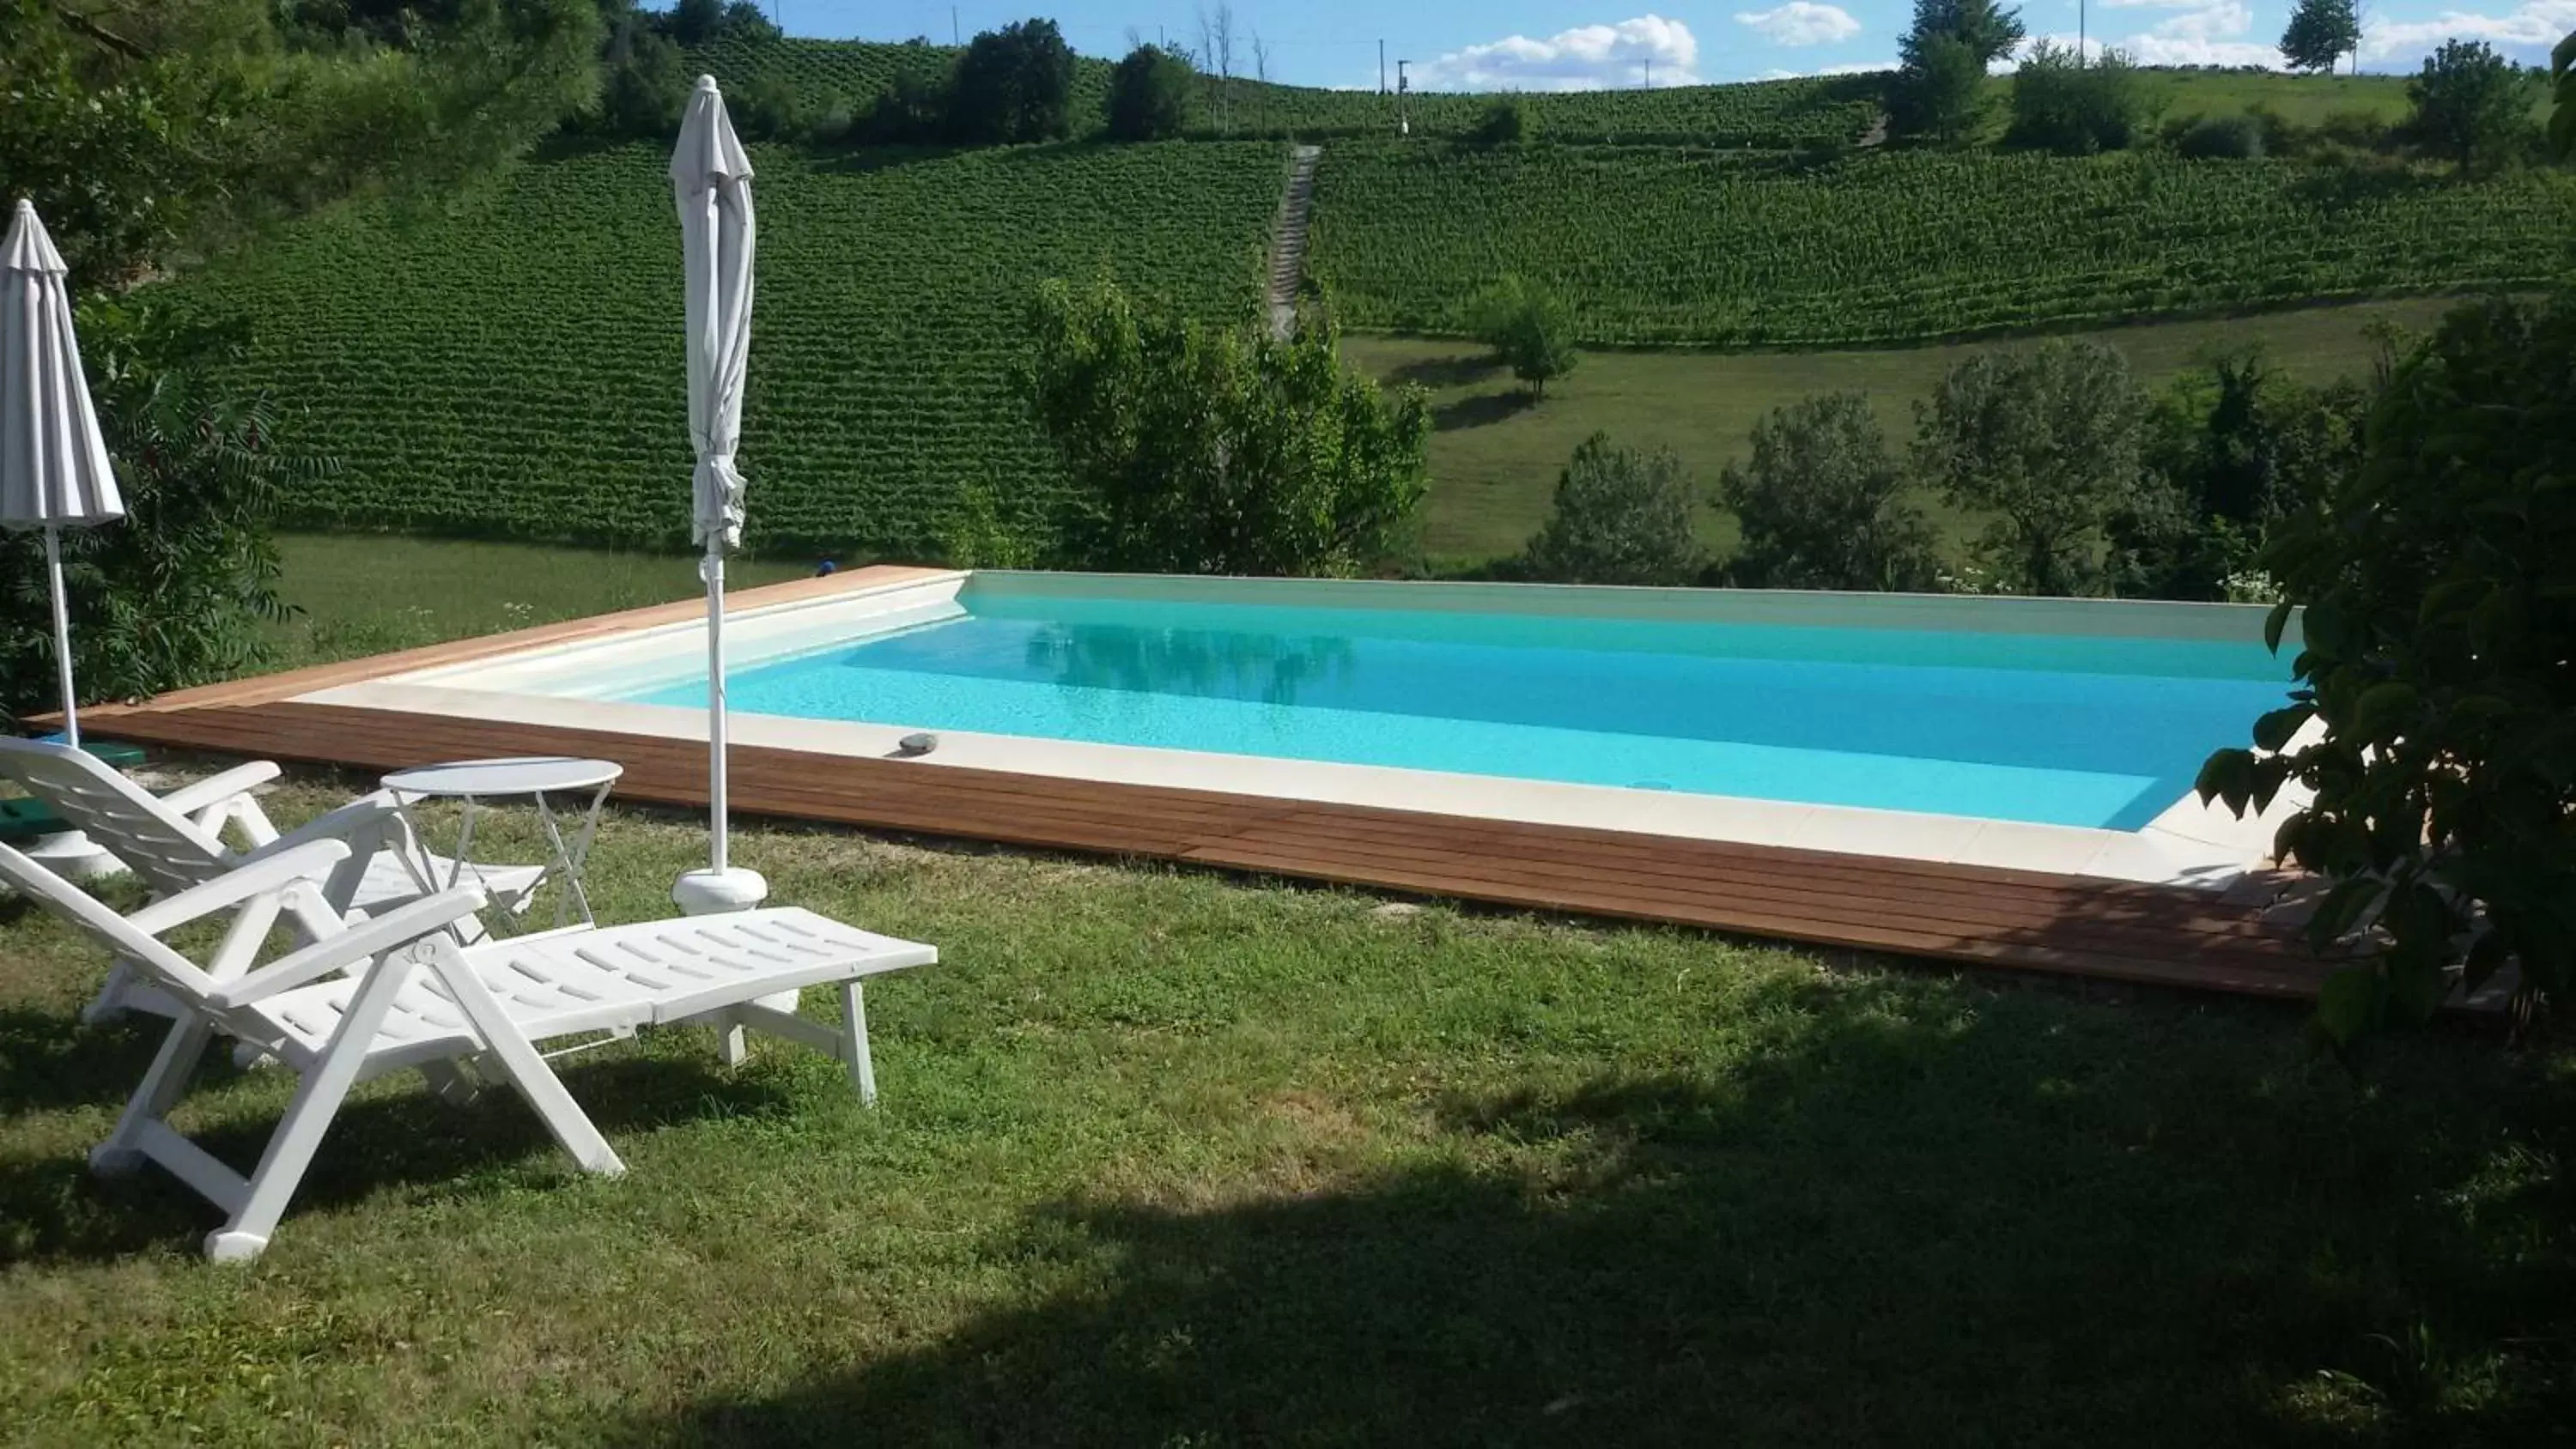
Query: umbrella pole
x=62 y=638
x=717 y=805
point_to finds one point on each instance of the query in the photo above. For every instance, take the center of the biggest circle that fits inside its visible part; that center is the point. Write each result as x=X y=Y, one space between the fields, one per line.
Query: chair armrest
x=365 y=812
x=393 y=929
x=189 y=799
x=272 y=872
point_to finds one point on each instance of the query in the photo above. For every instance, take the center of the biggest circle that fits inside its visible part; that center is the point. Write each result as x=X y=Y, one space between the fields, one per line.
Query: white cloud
x=1849 y=67
x=1648 y=49
x=1801 y=22
x=2535 y=25
x=2207 y=32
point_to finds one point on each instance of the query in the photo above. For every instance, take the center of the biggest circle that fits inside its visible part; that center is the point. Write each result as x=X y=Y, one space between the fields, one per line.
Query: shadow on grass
x=1463 y=370
x=1897 y=1232
x=1481 y=410
x=54 y=1208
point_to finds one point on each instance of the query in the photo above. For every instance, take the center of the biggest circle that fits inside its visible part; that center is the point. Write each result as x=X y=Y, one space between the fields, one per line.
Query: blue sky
x=1574 y=44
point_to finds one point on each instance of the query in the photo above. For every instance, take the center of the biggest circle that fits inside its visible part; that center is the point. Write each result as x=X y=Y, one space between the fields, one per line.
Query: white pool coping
x=2187 y=844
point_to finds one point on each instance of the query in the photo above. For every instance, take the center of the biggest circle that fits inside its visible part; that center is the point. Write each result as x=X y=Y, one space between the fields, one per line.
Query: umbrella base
x=715 y=892
x=74 y=856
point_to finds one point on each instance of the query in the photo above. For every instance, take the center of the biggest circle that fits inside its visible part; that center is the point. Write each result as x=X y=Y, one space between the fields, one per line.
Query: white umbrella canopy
x=54 y=472
x=711 y=182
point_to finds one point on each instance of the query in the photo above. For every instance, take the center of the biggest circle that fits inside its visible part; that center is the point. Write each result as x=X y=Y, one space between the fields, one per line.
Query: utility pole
x=953 y=35
x=1650 y=72
x=2079 y=32
x=1403 y=88
x=1381 y=67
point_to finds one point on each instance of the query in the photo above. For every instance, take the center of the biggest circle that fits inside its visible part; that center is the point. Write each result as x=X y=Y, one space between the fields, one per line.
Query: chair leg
x=509 y=1050
x=161 y=1089
x=109 y=1004
x=854 y=1023
x=733 y=1044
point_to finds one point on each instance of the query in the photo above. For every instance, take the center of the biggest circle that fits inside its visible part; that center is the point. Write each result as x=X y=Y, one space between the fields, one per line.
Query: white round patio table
x=532 y=777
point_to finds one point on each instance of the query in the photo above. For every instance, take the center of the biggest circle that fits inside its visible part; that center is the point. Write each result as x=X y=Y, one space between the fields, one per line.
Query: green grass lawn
x=1495 y=459
x=1172 y=1158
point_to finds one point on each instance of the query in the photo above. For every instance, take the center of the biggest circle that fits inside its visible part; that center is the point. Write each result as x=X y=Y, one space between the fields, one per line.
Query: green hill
x=512 y=363
x=1671 y=246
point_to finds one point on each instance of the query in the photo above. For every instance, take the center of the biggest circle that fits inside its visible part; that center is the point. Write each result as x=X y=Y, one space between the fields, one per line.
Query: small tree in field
x=1530 y=328
x=1620 y=517
x=2470 y=104
x=1013 y=84
x=2062 y=104
x=1822 y=505
x=2046 y=442
x=2438 y=589
x=1939 y=92
x=1218 y=450
x=1504 y=123
x=1149 y=96
x=2320 y=33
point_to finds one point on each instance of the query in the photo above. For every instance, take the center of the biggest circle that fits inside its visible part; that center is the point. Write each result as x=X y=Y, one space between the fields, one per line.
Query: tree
x=1620 y=517
x=1505 y=122
x=1822 y=504
x=1218 y=450
x=1014 y=84
x=2046 y=443
x=2061 y=104
x=2470 y=104
x=2562 y=116
x=2435 y=591
x=1530 y=328
x=1939 y=91
x=646 y=85
x=1149 y=96
x=1988 y=30
x=2320 y=33
x=175 y=593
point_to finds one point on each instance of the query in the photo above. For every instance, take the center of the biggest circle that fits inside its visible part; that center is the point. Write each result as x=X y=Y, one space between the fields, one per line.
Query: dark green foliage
x=912 y=110
x=2046 y=443
x=1987 y=29
x=173 y=595
x=1822 y=504
x=1014 y=84
x=2320 y=33
x=2438 y=589
x=1621 y=516
x=1217 y=450
x=1939 y=93
x=2471 y=105
x=1530 y=328
x=2221 y=138
x=2562 y=116
x=2061 y=103
x=1149 y=96
x=644 y=83
x=1505 y=123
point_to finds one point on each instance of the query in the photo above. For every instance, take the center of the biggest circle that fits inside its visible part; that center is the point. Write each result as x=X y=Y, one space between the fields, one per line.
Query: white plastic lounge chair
x=175 y=842
x=415 y=998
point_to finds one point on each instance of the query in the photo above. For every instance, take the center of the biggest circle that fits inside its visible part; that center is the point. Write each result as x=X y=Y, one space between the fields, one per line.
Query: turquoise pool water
x=2090 y=731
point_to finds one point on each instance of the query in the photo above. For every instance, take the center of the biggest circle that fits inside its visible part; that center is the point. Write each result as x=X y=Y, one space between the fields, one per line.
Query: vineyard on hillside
x=1769 y=114
x=1664 y=246
x=511 y=363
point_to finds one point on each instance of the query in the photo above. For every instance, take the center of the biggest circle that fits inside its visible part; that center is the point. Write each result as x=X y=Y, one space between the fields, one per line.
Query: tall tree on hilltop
x=1013 y=84
x=1988 y=30
x=1941 y=84
x=2320 y=33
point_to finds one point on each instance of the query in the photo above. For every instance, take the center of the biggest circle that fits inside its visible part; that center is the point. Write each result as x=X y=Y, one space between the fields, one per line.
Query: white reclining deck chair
x=418 y=999
x=175 y=842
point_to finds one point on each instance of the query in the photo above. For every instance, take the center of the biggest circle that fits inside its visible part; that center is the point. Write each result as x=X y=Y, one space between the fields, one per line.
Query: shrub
x=1620 y=517
x=2062 y=104
x=1216 y=450
x=2470 y=104
x=912 y=110
x=1014 y=84
x=1939 y=92
x=2221 y=138
x=1822 y=504
x=772 y=108
x=1530 y=328
x=2438 y=583
x=1149 y=96
x=1504 y=123
x=2046 y=443
x=644 y=84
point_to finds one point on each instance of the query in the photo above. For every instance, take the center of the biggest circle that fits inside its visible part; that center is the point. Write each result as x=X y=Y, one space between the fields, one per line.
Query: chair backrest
x=163 y=847
x=97 y=920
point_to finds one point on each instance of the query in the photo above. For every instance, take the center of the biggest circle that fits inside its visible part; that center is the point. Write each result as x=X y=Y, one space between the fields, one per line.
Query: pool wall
x=565 y=685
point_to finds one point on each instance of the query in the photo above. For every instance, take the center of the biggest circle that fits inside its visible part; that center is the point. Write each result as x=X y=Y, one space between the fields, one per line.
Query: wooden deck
x=1974 y=915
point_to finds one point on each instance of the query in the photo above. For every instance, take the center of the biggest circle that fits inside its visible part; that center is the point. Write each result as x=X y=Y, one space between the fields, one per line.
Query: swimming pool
x=1996 y=714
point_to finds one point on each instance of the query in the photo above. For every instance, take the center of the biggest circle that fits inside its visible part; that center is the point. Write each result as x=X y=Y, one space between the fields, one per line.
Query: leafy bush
x=1822 y=504
x=2470 y=105
x=644 y=84
x=2061 y=103
x=2046 y=442
x=1014 y=84
x=1149 y=96
x=912 y=110
x=1939 y=92
x=1218 y=450
x=1505 y=123
x=2562 y=117
x=1530 y=328
x=174 y=594
x=2221 y=138
x=2439 y=590
x=1620 y=517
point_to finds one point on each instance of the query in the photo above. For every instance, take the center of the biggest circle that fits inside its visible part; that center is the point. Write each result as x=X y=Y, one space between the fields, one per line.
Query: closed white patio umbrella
x=54 y=472
x=711 y=180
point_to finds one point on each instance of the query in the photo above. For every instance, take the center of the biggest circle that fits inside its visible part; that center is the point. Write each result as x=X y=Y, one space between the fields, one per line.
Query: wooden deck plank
x=2024 y=920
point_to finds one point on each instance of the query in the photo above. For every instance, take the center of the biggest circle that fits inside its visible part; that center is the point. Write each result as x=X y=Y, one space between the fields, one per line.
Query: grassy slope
x=1169 y=1158
x=1494 y=460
